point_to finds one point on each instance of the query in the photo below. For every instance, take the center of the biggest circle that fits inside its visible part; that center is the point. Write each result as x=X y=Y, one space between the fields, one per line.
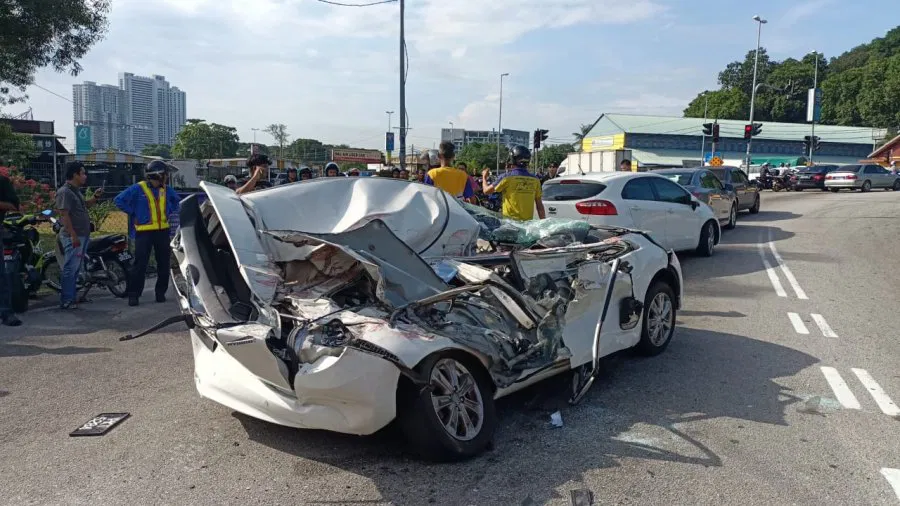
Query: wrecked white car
x=343 y=304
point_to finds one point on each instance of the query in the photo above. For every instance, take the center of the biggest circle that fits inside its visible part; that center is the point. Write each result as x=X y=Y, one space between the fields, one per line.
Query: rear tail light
x=570 y=181
x=597 y=208
x=818 y=176
x=851 y=176
x=8 y=252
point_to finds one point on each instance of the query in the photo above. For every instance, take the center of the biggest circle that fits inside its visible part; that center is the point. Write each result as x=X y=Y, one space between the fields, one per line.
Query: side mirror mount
x=694 y=204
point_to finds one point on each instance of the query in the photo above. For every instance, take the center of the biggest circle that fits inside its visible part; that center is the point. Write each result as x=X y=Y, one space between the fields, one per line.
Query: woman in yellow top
x=520 y=189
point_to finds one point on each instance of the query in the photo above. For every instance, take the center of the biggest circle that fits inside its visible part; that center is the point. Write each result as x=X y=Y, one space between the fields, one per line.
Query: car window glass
x=878 y=169
x=739 y=177
x=722 y=174
x=638 y=189
x=708 y=180
x=670 y=192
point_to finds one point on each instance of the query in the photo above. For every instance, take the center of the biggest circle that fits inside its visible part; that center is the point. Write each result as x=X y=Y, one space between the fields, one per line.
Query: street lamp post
x=500 y=121
x=452 y=140
x=812 y=134
x=402 y=89
x=389 y=119
x=760 y=21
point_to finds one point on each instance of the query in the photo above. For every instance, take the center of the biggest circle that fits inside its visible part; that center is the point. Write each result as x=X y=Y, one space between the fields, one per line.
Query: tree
x=280 y=134
x=160 y=150
x=36 y=34
x=553 y=154
x=477 y=156
x=723 y=104
x=201 y=140
x=583 y=130
x=309 y=149
x=15 y=149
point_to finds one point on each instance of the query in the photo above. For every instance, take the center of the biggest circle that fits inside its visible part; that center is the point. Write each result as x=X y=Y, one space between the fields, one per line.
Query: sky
x=331 y=73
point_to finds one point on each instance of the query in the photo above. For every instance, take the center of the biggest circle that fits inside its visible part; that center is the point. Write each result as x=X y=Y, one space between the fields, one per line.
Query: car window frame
x=649 y=185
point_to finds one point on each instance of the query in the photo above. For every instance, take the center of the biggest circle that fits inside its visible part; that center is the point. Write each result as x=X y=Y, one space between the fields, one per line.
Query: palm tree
x=579 y=136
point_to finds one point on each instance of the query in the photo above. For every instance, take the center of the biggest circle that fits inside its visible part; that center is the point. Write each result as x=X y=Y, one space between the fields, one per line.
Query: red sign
x=356 y=155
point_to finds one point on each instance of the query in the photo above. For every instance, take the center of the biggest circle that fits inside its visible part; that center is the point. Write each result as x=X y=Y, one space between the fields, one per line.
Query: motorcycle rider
x=231 y=182
x=76 y=230
x=148 y=204
x=521 y=190
x=9 y=201
x=305 y=174
x=332 y=170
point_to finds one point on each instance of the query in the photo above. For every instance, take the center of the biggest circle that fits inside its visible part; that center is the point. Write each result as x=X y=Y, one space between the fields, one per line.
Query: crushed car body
x=344 y=304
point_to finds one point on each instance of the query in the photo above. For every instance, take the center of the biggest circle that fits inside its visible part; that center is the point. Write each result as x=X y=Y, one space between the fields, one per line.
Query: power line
x=357 y=5
x=53 y=92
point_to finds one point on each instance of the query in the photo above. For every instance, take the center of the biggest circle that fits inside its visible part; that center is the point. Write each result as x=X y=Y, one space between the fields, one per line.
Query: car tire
x=866 y=187
x=835 y=190
x=707 y=239
x=798 y=189
x=428 y=428
x=658 y=324
x=732 y=218
x=896 y=186
x=755 y=208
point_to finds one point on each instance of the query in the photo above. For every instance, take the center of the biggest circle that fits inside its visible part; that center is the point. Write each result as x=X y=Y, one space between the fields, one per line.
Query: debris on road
x=100 y=424
x=556 y=420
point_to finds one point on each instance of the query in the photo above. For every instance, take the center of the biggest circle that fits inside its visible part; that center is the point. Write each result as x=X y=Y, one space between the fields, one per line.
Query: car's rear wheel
x=755 y=208
x=659 y=319
x=867 y=186
x=835 y=190
x=455 y=417
x=896 y=186
x=707 y=239
x=732 y=217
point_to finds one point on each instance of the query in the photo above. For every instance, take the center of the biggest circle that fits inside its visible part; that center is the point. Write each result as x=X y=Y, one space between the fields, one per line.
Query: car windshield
x=849 y=168
x=569 y=189
x=682 y=178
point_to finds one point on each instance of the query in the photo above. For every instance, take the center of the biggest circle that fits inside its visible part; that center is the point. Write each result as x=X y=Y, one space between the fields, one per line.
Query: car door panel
x=682 y=222
x=646 y=213
x=718 y=200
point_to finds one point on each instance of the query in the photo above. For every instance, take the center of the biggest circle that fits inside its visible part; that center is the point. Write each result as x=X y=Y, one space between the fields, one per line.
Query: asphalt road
x=776 y=389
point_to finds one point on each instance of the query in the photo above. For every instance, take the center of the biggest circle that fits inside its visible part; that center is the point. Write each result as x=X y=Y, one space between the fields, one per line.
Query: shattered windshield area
x=495 y=228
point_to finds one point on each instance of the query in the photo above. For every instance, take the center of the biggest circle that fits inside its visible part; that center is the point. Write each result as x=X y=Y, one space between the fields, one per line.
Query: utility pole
x=402 y=90
x=500 y=121
x=390 y=160
x=812 y=144
x=760 y=21
x=705 y=113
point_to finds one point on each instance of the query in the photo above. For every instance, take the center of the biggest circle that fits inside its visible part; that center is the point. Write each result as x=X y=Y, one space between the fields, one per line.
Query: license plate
x=124 y=257
x=805 y=177
x=7 y=258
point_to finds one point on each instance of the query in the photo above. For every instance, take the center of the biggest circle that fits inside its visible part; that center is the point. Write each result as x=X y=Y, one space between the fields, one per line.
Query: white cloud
x=802 y=10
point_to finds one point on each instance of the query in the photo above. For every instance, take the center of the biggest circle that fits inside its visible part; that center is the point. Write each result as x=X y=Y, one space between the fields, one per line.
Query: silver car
x=708 y=189
x=862 y=177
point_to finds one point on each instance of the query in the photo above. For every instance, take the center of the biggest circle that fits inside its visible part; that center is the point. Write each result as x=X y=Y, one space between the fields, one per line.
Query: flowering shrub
x=33 y=196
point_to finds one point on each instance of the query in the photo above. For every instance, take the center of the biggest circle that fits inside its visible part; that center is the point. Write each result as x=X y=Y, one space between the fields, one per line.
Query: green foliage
x=36 y=33
x=579 y=136
x=15 y=149
x=554 y=154
x=33 y=197
x=161 y=150
x=100 y=211
x=477 y=156
x=202 y=140
x=860 y=88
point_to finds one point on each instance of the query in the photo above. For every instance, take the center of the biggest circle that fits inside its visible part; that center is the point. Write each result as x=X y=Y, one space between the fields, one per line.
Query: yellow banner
x=603 y=143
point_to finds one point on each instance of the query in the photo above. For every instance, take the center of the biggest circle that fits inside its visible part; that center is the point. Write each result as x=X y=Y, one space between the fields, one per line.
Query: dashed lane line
x=823 y=325
x=773 y=277
x=797 y=322
x=893 y=478
x=884 y=402
x=841 y=391
x=787 y=272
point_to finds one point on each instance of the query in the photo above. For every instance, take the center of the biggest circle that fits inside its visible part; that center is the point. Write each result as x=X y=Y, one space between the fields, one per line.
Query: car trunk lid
x=572 y=198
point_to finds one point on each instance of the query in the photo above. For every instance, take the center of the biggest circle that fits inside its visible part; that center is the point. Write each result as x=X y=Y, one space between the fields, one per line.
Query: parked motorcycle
x=25 y=257
x=107 y=264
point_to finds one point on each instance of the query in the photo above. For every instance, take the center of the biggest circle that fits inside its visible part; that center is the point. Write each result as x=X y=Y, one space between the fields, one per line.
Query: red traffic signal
x=748 y=131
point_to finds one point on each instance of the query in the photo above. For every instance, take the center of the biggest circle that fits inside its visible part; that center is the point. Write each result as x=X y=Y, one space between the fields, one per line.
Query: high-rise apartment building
x=460 y=137
x=149 y=111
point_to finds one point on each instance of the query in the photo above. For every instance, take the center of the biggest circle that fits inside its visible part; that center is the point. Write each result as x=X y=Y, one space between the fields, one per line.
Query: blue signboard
x=389 y=141
x=709 y=156
x=814 y=105
x=82 y=139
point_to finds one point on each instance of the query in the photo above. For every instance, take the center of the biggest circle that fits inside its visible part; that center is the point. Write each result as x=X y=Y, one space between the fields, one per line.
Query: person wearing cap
x=148 y=205
x=231 y=182
x=332 y=170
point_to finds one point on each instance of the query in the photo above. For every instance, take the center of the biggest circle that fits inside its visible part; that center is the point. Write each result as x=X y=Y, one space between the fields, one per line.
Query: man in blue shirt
x=148 y=205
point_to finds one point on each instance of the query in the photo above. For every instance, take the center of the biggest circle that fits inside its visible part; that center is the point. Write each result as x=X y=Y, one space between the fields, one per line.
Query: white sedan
x=637 y=200
x=344 y=304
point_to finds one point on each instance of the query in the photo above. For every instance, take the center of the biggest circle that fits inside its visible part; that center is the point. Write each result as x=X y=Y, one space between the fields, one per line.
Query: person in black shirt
x=9 y=201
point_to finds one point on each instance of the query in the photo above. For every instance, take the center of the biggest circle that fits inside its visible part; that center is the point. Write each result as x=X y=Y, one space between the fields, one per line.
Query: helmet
x=332 y=165
x=430 y=158
x=230 y=179
x=519 y=155
x=304 y=172
x=156 y=169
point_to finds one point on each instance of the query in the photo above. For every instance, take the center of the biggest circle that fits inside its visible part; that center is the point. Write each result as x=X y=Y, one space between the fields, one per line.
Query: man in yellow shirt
x=521 y=189
x=452 y=180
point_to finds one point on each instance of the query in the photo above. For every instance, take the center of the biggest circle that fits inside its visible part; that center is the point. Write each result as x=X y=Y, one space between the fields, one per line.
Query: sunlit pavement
x=780 y=387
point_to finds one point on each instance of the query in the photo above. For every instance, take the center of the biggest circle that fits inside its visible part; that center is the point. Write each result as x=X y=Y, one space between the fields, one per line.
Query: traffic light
x=748 y=132
x=544 y=134
x=715 y=133
x=707 y=129
x=757 y=128
x=806 y=143
x=536 y=142
x=816 y=144
x=811 y=141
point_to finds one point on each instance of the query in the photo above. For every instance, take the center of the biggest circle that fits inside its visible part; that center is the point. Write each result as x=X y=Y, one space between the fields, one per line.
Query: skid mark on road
x=893 y=478
x=848 y=399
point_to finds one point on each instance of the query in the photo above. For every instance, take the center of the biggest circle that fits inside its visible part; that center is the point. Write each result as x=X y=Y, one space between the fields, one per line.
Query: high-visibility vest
x=159 y=220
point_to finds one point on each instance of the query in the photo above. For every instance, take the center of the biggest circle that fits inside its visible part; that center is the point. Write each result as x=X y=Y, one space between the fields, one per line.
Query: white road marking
x=893 y=478
x=798 y=324
x=773 y=277
x=787 y=272
x=884 y=402
x=839 y=387
x=823 y=325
